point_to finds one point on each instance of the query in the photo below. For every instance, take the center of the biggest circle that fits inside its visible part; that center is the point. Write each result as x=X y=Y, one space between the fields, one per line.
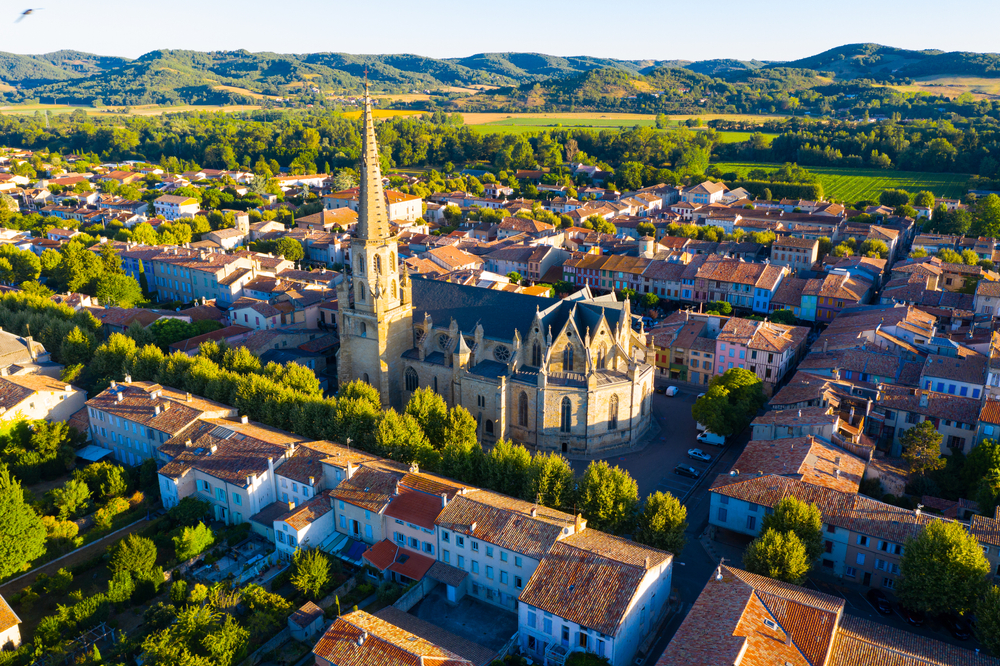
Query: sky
x=625 y=29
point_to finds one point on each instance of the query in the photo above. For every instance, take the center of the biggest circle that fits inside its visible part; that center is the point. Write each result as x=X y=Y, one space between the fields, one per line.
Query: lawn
x=858 y=184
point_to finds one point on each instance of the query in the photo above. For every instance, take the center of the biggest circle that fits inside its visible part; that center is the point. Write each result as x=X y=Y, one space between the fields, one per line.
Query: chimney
x=800 y=413
x=244 y=419
x=312 y=481
x=414 y=468
x=187 y=443
x=826 y=343
x=128 y=379
x=350 y=469
x=836 y=461
x=119 y=397
x=362 y=637
x=5 y=371
x=923 y=399
x=444 y=500
x=291 y=505
x=836 y=473
x=156 y=410
x=534 y=512
x=396 y=492
x=647 y=562
x=472 y=527
x=578 y=523
x=212 y=450
x=113 y=383
x=189 y=397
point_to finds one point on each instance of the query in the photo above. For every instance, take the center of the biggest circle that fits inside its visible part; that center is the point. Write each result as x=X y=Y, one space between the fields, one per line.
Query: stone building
x=563 y=375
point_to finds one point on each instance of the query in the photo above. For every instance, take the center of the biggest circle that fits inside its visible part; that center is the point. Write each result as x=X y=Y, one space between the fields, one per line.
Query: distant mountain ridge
x=178 y=76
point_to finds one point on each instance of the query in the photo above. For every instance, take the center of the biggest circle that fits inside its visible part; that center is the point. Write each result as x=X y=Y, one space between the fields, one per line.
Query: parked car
x=700 y=395
x=686 y=470
x=699 y=426
x=916 y=618
x=661 y=389
x=709 y=437
x=957 y=626
x=698 y=454
x=878 y=599
x=672 y=391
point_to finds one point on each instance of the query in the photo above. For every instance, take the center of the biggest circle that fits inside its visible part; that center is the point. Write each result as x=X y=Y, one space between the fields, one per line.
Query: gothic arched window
x=412 y=380
x=602 y=358
x=613 y=413
x=522 y=409
x=568 y=359
x=489 y=427
x=565 y=415
x=378 y=265
x=536 y=355
x=393 y=289
x=361 y=292
x=362 y=329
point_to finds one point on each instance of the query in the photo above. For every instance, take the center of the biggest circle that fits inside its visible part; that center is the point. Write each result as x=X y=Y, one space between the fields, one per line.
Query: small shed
x=306 y=622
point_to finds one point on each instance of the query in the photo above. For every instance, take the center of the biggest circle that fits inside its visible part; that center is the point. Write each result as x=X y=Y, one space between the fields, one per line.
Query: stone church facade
x=560 y=375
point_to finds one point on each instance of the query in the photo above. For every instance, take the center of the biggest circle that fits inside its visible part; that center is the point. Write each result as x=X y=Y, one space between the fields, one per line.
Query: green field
x=858 y=184
x=534 y=125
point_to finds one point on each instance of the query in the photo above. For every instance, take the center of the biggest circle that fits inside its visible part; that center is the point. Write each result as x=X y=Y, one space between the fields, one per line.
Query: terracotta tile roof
x=240 y=450
x=861 y=642
x=360 y=639
x=970 y=369
x=215 y=336
x=477 y=654
x=805 y=458
x=267 y=515
x=856 y=513
x=738 y=331
x=414 y=506
x=14 y=389
x=387 y=555
x=591 y=589
x=307 y=614
x=807 y=416
x=790 y=292
x=939 y=405
x=140 y=402
x=770 y=276
x=778 y=338
x=307 y=512
x=792 y=241
x=991 y=411
x=263 y=308
x=8 y=618
x=752 y=620
x=986 y=529
x=369 y=488
x=506 y=522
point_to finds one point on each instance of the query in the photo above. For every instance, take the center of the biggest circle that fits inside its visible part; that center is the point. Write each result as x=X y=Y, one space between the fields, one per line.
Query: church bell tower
x=375 y=305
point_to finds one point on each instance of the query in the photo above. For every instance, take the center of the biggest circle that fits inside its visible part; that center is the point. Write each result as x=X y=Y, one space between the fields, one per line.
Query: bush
x=134 y=554
x=178 y=591
x=193 y=541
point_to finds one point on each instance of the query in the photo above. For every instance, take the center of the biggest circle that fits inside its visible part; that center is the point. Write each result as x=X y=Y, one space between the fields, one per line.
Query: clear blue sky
x=628 y=29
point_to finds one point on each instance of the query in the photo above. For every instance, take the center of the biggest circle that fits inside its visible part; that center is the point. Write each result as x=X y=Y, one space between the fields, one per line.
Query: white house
x=172 y=207
x=10 y=632
x=34 y=397
x=304 y=526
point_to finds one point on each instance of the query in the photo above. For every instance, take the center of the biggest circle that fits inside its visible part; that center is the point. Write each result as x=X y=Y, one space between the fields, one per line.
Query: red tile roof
x=387 y=555
x=360 y=639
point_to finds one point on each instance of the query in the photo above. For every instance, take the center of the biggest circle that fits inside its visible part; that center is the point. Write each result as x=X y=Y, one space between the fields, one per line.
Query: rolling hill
x=177 y=76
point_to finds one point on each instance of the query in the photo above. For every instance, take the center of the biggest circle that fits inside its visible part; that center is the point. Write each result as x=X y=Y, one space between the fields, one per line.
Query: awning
x=92 y=453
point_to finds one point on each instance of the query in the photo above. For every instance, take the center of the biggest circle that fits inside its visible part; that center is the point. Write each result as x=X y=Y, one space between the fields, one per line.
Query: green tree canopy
x=22 y=534
x=922 y=448
x=988 y=620
x=943 y=569
x=118 y=289
x=662 y=522
x=193 y=541
x=312 y=571
x=778 y=555
x=805 y=520
x=608 y=497
x=134 y=554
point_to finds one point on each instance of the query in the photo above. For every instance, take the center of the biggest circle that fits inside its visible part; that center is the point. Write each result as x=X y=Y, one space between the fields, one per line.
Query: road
x=652 y=468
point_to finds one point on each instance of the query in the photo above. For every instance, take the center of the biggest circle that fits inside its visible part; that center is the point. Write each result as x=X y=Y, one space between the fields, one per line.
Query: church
x=566 y=375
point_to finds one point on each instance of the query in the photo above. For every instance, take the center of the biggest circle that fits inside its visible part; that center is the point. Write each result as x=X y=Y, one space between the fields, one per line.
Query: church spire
x=373 y=220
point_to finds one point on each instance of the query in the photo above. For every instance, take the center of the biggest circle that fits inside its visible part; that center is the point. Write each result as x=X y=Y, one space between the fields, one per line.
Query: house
x=986 y=529
x=987 y=298
x=399 y=206
x=32 y=397
x=226 y=462
x=61 y=235
x=19 y=353
x=513 y=226
x=594 y=593
x=780 y=424
x=743 y=619
x=306 y=622
x=10 y=632
x=134 y=419
x=901 y=408
x=230 y=335
x=704 y=193
x=172 y=207
x=795 y=253
x=227 y=238
x=303 y=526
x=963 y=375
x=360 y=639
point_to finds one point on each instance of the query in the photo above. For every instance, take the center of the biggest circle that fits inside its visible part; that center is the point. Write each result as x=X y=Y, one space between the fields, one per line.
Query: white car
x=700 y=395
x=671 y=391
x=698 y=454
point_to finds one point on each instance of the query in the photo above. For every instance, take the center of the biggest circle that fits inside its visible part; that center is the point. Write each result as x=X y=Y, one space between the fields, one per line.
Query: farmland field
x=859 y=184
x=533 y=123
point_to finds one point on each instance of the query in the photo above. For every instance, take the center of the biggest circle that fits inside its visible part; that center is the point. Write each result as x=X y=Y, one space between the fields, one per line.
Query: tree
x=878 y=247
x=988 y=620
x=943 y=569
x=514 y=277
x=786 y=317
x=949 y=256
x=924 y=199
x=986 y=217
x=922 y=448
x=431 y=412
x=662 y=523
x=732 y=399
x=918 y=253
x=970 y=258
x=134 y=554
x=193 y=541
x=76 y=347
x=893 y=198
x=842 y=250
x=189 y=511
x=720 y=307
x=778 y=555
x=608 y=497
x=312 y=571
x=72 y=499
x=650 y=300
x=805 y=520
x=289 y=248
x=104 y=479
x=119 y=290
x=22 y=534
x=550 y=480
